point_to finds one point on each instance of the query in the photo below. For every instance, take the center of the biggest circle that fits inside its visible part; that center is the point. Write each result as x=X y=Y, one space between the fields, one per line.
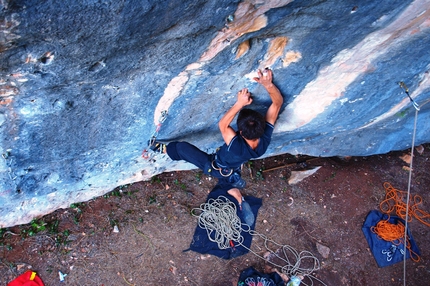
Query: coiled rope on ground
x=394 y=203
x=395 y=234
x=219 y=218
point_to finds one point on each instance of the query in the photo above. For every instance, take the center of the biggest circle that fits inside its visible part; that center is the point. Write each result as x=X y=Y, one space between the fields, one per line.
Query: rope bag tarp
x=386 y=252
x=201 y=242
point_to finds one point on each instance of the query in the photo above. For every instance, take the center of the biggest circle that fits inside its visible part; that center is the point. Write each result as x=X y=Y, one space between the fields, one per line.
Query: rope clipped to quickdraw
x=406 y=90
x=417 y=108
x=223 y=226
x=154 y=135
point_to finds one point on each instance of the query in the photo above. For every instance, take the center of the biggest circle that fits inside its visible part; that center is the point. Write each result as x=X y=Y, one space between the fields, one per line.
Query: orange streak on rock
x=6 y=101
x=242 y=49
x=223 y=39
x=247 y=18
x=275 y=51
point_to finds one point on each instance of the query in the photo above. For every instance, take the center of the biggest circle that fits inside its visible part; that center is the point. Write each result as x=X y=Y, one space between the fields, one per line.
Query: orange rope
x=395 y=234
x=388 y=231
x=394 y=202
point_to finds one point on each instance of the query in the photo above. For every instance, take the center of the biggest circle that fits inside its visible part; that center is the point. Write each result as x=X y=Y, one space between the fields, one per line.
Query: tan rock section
x=291 y=57
x=242 y=49
x=275 y=51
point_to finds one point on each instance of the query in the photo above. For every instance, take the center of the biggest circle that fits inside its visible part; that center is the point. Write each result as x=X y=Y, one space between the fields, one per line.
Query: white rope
x=417 y=108
x=291 y=261
x=219 y=218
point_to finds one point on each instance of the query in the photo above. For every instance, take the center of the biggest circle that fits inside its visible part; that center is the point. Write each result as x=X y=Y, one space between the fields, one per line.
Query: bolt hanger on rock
x=154 y=135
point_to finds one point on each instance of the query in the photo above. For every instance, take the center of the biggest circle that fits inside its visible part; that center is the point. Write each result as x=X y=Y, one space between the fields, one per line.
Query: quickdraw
x=406 y=90
x=163 y=117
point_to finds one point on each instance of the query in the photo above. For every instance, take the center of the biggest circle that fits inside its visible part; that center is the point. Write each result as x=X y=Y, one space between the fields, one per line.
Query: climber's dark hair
x=251 y=124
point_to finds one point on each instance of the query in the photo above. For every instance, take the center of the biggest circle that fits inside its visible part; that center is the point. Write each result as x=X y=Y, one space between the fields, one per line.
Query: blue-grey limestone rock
x=83 y=85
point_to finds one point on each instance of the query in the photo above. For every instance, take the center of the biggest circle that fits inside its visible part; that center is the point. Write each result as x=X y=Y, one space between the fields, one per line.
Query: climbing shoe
x=236 y=181
x=158 y=147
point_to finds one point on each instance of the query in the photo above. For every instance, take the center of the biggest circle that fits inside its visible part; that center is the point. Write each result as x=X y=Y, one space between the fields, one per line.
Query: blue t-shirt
x=239 y=152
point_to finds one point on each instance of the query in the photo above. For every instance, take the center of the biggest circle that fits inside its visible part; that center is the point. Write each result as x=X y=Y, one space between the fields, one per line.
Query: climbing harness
x=219 y=218
x=223 y=172
x=163 y=117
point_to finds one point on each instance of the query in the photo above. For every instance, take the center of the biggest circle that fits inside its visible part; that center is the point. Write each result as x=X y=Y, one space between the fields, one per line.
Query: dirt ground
x=155 y=224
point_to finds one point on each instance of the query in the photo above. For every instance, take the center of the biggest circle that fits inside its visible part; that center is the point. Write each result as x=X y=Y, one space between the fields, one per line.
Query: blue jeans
x=204 y=161
x=190 y=153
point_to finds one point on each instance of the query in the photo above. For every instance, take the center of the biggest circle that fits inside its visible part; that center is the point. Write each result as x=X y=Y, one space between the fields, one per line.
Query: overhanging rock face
x=83 y=85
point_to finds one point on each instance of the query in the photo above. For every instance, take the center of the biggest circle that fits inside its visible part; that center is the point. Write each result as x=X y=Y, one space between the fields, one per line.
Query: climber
x=249 y=142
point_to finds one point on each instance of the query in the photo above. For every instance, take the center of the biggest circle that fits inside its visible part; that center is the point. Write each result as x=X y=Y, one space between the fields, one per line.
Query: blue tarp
x=201 y=242
x=385 y=252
